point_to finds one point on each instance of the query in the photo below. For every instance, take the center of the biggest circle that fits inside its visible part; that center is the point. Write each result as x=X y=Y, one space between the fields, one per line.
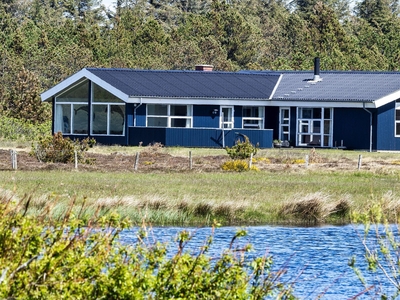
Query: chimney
x=316 y=70
x=204 y=68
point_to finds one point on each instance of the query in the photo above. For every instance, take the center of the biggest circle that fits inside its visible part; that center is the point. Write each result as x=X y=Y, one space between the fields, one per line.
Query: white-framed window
x=284 y=123
x=108 y=113
x=397 y=119
x=71 y=110
x=226 y=117
x=314 y=126
x=253 y=117
x=169 y=115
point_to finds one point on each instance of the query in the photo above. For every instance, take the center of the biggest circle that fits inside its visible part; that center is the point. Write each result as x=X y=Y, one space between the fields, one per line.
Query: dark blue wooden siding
x=140 y=115
x=272 y=120
x=196 y=137
x=352 y=125
x=203 y=116
x=385 y=128
x=237 y=115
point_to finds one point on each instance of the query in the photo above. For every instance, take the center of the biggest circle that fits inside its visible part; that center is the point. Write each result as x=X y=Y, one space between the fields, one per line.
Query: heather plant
x=48 y=258
x=56 y=148
x=242 y=149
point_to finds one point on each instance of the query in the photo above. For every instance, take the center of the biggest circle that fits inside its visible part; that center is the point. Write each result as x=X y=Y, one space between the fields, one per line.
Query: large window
x=314 y=127
x=397 y=118
x=108 y=113
x=168 y=115
x=253 y=117
x=71 y=110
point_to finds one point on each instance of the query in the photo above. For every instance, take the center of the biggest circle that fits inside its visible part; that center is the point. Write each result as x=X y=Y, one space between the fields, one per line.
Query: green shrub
x=64 y=258
x=242 y=149
x=56 y=148
x=22 y=130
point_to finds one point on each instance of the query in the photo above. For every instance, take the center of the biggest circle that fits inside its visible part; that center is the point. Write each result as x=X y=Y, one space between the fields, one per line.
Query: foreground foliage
x=67 y=258
x=381 y=241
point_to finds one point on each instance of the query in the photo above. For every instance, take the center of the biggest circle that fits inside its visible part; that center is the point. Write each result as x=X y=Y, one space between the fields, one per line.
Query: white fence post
x=190 y=160
x=76 y=159
x=14 y=164
x=251 y=160
x=306 y=162
x=137 y=161
x=359 y=161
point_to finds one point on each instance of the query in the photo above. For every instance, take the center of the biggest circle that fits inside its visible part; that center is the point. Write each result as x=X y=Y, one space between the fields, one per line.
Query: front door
x=226 y=117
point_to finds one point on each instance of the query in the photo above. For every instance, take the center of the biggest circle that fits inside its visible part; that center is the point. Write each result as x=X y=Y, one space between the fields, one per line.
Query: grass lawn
x=183 y=198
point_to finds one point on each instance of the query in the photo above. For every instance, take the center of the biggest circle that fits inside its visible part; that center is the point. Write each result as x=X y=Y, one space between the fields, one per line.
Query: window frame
x=260 y=119
x=170 y=117
x=324 y=132
x=396 y=122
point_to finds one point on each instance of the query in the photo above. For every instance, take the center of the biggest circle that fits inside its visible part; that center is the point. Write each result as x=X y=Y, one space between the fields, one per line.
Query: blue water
x=316 y=258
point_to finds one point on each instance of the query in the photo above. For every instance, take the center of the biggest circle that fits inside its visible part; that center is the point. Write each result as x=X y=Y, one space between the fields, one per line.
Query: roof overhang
x=198 y=101
x=78 y=77
x=334 y=104
x=387 y=99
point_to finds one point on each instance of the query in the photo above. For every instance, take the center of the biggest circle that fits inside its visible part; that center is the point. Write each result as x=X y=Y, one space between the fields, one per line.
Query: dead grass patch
x=315 y=207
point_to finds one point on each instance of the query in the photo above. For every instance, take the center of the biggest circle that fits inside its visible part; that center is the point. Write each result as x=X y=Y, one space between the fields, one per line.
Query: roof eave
x=77 y=77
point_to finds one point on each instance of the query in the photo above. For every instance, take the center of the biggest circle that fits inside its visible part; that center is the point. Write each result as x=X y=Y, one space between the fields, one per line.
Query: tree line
x=44 y=41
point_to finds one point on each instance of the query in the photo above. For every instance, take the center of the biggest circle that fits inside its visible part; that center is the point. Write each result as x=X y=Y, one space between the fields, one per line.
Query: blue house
x=205 y=108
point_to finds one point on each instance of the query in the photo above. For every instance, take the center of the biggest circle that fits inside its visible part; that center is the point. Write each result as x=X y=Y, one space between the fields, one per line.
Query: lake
x=315 y=257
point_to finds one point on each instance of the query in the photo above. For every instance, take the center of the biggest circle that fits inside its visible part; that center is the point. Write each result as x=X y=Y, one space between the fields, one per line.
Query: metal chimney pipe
x=316 y=66
x=316 y=70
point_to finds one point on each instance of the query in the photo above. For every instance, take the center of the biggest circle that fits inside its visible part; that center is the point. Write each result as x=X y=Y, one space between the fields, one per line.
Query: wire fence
x=138 y=161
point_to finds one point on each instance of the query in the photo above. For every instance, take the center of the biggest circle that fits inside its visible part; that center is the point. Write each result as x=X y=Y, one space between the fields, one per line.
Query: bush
x=56 y=148
x=242 y=149
x=64 y=258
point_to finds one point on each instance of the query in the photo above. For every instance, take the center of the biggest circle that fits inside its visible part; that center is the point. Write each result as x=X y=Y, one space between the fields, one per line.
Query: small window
x=397 y=118
x=168 y=115
x=253 y=117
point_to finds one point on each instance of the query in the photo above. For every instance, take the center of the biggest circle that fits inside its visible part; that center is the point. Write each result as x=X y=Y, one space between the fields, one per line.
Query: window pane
x=285 y=113
x=317 y=126
x=99 y=117
x=247 y=112
x=326 y=141
x=78 y=93
x=101 y=95
x=178 y=110
x=157 y=122
x=117 y=118
x=180 y=122
x=80 y=118
x=397 y=114
x=327 y=127
x=327 y=113
x=316 y=113
x=157 y=110
x=397 y=128
x=63 y=118
x=306 y=113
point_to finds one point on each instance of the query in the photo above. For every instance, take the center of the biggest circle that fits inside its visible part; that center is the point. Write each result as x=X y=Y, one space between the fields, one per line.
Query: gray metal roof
x=351 y=86
x=189 y=84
